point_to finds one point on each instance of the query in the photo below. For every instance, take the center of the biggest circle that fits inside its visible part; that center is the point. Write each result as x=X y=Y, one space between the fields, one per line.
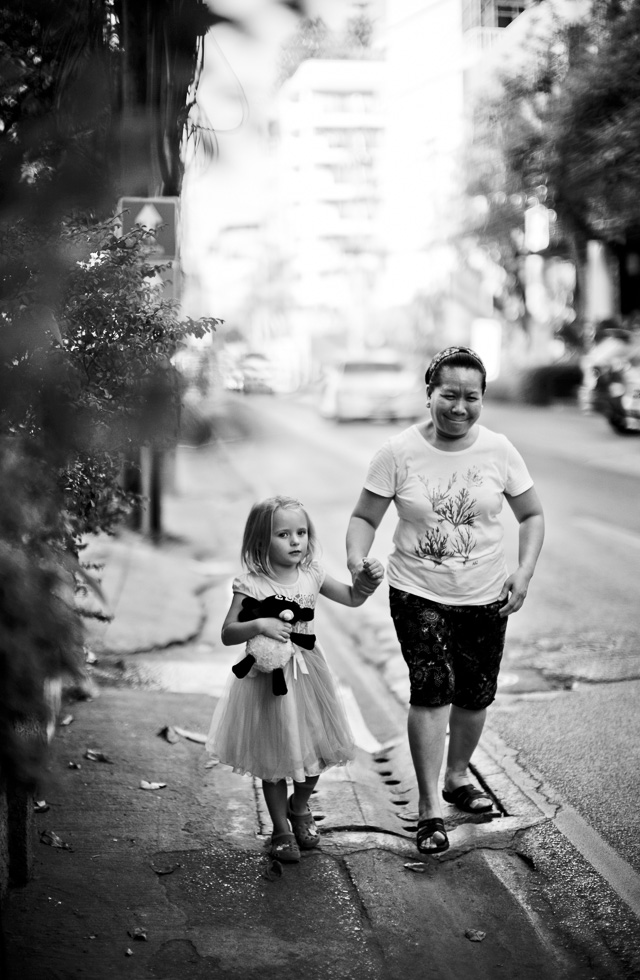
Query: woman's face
x=456 y=401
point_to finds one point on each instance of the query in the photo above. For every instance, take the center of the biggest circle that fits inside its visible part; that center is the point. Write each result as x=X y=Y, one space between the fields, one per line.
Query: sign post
x=158 y=215
x=161 y=217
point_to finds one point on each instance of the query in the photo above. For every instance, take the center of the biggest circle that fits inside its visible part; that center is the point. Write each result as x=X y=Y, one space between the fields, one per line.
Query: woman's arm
x=353 y=595
x=234 y=632
x=361 y=532
x=529 y=515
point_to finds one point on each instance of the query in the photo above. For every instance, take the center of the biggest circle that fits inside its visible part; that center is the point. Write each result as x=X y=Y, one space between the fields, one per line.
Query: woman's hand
x=276 y=629
x=367 y=576
x=514 y=591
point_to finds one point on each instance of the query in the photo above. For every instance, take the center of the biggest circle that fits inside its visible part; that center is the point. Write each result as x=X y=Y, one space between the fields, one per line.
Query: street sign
x=157 y=214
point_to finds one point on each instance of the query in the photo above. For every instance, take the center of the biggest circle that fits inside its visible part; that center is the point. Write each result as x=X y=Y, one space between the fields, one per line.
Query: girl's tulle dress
x=295 y=735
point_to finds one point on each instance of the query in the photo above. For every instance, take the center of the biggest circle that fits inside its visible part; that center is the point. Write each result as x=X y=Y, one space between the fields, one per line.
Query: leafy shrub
x=40 y=631
x=85 y=378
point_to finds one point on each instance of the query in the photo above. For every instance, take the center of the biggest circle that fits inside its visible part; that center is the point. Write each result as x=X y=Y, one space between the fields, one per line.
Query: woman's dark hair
x=454 y=357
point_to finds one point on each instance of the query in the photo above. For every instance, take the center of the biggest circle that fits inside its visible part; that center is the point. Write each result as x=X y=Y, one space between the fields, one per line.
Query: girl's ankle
x=281 y=829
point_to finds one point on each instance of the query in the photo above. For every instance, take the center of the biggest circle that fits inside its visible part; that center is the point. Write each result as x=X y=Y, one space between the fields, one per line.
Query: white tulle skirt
x=295 y=735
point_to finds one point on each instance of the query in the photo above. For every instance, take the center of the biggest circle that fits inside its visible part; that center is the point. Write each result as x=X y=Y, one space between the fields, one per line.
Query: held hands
x=367 y=576
x=514 y=591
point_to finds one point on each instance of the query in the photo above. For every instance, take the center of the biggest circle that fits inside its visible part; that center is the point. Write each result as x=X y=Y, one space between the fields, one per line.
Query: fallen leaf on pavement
x=273 y=871
x=96 y=756
x=193 y=736
x=66 y=720
x=168 y=870
x=144 y=784
x=40 y=806
x=475 y=935
x=90 y=657
x=416 y=866
x=52 y=839
x=169 y=734
x=129 y=952
x=75 y=765
x=211 y=763
x=138 y=933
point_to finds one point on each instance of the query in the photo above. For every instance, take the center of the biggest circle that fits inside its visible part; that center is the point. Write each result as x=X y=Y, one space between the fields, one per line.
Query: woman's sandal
x=284 y=848
x=426 y=830
x=463 y=797
x=304 y=827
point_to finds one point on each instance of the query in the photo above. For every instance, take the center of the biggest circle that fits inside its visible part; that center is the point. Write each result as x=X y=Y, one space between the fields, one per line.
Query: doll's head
x=256 y=542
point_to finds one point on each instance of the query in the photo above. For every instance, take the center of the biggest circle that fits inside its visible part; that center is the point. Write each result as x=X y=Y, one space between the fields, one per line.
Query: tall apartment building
x=329 y=134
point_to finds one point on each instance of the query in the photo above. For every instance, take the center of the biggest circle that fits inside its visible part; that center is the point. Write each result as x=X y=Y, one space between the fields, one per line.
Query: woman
x=450 y=590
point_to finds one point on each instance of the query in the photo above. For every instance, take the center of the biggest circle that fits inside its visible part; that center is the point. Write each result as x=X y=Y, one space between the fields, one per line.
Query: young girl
x=306 y=731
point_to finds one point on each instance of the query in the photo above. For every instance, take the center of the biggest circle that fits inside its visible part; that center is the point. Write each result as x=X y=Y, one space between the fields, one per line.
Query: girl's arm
x=234 y=632
x=351 y=595
x=529 y=515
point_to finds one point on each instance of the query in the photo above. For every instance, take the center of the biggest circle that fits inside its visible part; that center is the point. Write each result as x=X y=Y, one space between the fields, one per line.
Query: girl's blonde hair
x=256 y=540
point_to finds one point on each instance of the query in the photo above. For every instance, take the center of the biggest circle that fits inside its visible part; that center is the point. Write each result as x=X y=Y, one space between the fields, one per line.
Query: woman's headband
x=449 y=352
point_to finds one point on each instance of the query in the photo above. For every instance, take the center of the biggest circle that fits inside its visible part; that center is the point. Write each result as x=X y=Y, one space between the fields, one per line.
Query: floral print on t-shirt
x=455 y=509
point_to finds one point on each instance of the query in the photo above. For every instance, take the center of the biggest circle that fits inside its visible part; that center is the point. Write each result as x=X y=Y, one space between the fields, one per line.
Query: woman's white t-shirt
x=448 y=542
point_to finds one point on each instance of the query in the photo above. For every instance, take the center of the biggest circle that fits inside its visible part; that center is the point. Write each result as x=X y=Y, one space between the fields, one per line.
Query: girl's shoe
x=284 y=848
x=304 y=827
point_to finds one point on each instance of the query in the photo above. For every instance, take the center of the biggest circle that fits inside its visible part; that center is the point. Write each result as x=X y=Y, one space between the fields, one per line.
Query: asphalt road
x=571 y=675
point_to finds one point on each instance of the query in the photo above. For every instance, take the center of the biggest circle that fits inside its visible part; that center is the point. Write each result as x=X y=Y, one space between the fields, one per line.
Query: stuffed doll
x=268 y=655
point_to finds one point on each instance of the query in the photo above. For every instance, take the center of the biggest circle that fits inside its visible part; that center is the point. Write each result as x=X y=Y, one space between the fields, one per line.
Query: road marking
x=601 y=856
x=609 y=531
x=498 y=764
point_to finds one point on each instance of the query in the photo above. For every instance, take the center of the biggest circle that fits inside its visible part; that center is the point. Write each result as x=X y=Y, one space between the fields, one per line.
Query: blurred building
x=328 y=135
x=431 y=52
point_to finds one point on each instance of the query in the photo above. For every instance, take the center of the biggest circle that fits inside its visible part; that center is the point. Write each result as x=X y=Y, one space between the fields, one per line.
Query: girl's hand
x=276 y=629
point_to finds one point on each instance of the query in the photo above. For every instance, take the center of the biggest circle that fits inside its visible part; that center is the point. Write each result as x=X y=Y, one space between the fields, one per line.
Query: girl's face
x=456 y=402
x=289 y=538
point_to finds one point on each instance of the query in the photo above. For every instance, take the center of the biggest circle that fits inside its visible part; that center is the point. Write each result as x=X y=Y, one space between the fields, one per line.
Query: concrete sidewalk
x=174 y=883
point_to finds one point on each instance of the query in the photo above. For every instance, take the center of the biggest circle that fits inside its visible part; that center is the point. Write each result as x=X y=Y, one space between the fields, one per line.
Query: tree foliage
x=561 y=126
x=97 y=94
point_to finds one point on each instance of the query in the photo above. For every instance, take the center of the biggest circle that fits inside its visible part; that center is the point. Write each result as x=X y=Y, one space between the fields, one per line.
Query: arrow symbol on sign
x=148 y=217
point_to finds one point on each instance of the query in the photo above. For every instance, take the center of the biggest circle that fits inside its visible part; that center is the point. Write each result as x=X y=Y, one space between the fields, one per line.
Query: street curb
x=497 y=768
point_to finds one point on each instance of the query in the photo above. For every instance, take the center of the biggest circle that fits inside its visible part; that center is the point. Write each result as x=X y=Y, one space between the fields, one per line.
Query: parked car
x=257 y=374
x=372 y=388
x=612 y=382
x=619 y=396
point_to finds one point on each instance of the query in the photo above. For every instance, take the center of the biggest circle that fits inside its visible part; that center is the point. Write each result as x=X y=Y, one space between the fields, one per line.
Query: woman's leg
x=427 y=728
x=465 y=729
x=275 y=796
x=478 y=645
x=302 y=793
